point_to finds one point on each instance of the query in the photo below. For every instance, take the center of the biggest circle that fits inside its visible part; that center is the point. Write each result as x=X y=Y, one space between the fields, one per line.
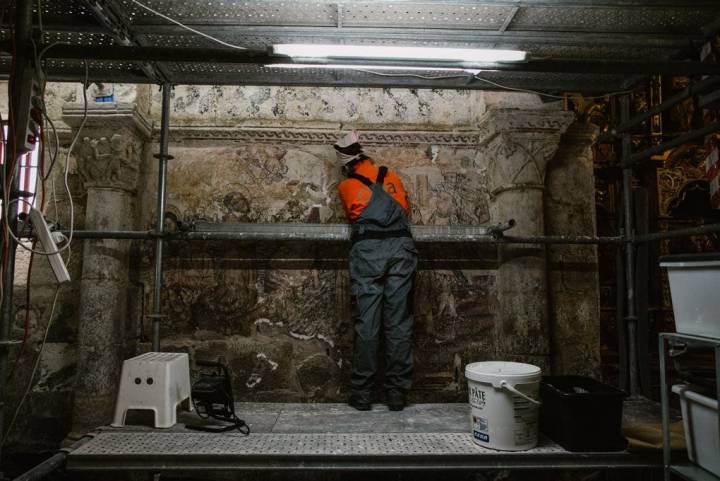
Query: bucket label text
x=477 y=397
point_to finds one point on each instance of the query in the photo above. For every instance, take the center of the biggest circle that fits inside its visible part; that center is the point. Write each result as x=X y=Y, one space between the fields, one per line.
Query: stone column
x=108 y=153
x=573 y=270
x=518 y=144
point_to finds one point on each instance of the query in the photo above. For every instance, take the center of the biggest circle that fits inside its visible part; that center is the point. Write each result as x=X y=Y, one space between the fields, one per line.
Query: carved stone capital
x=518 y=144
x=112 y=161
x=110 y=146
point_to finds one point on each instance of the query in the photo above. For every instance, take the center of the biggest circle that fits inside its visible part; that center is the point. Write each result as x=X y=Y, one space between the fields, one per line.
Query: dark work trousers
x=381 y=283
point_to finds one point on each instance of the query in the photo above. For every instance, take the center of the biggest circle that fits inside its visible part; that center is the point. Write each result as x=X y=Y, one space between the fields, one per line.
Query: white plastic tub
x=700 y=420
x=694 y=281
x=504 y=404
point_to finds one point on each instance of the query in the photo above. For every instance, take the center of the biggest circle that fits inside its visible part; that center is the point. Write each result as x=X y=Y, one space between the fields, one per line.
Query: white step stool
x=155 y=381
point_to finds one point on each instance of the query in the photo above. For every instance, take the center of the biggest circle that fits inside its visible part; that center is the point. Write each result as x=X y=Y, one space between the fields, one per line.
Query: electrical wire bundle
x=10 y=171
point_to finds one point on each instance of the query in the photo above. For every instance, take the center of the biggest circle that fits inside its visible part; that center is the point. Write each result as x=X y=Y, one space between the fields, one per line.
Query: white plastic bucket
x=504 y=400
x=693 y=282
x=700 y=419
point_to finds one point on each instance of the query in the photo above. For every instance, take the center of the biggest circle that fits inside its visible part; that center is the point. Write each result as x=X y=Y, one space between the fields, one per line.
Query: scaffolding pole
x=706 y=85
x=628 y=225
x=674 y=234
x=630 y=160
x=19 y=102
x=336 y=233
x=162 y=157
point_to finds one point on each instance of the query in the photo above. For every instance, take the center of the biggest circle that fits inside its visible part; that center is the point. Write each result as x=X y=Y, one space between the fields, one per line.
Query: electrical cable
x=26 y=325
x=67 y=158
x=505 y=87
x=54 y=154
x=544 y=94
x=34 y=370
x=179 y=24
x=495 y=84
x=40 y=75
x=424 y=77
x=65 y=177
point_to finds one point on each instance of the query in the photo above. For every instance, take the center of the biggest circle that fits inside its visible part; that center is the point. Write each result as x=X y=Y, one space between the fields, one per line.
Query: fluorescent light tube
x=371 y=67
x=406 y=53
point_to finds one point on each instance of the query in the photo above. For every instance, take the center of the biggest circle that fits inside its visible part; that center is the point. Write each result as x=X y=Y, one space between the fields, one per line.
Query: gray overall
x=383 y=260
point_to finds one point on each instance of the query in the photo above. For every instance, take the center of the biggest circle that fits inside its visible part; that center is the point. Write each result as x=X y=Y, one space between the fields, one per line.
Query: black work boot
x=360 y=401
x=395 y=399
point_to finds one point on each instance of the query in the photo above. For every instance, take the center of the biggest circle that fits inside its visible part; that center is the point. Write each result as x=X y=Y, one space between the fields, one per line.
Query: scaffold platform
x=309 y=437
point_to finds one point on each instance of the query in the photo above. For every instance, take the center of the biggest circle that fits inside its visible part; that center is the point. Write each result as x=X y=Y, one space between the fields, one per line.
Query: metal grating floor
x=330 y=437
x=183 y=451
x=286 y=444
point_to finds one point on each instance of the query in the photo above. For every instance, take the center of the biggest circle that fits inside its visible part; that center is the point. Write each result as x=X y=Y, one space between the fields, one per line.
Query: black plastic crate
x=582 y=414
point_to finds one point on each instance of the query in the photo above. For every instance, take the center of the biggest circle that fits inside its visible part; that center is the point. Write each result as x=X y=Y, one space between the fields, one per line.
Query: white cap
x=348 y=148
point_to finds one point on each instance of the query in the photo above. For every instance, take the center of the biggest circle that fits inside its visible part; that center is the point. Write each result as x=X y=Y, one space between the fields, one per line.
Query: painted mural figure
x=383 y=260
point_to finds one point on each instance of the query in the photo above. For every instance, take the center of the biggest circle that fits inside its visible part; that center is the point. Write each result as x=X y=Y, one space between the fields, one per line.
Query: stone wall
x=278 y=314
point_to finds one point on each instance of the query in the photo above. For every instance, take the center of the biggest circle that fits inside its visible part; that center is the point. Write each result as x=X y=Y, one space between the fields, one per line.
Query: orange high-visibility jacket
x=355 y=195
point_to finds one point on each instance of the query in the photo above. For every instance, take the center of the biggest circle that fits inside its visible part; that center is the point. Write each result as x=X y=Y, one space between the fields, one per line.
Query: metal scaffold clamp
x=497 y=231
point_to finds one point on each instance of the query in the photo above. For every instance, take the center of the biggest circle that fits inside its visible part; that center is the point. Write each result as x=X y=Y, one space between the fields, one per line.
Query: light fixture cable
x=182 y=25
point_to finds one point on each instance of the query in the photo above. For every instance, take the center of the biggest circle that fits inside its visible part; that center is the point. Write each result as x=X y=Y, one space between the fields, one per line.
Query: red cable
x=5 y=255
x=26 y=325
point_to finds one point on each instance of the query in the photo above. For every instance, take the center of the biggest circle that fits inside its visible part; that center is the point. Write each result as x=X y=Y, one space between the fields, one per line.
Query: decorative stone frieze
x=324 y=135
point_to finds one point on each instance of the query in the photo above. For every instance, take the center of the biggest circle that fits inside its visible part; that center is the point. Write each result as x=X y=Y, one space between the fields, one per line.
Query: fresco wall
x=278 y=313
x=287 y=327
x=264 y=155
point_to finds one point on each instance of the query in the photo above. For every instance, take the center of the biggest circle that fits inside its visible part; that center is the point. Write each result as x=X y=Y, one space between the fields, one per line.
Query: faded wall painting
x=284 y=325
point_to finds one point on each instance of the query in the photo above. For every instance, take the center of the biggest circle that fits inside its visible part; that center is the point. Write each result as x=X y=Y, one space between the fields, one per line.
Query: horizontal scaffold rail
x=206 y=231
x=341 y=233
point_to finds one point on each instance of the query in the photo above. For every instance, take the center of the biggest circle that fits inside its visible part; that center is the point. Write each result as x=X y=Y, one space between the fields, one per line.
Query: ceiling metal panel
x=219 y=12
x=641 y=30
x=248 y=74
x=537 y=47
x=586 y=52
x=631 y=19
x=425 y=15
x=77 y=38
x=266 y=40
x=376 y=36
x=106 y=70
x=71 y=13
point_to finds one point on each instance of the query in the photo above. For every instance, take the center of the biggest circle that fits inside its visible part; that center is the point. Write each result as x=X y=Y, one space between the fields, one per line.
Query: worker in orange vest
x=383 y=260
